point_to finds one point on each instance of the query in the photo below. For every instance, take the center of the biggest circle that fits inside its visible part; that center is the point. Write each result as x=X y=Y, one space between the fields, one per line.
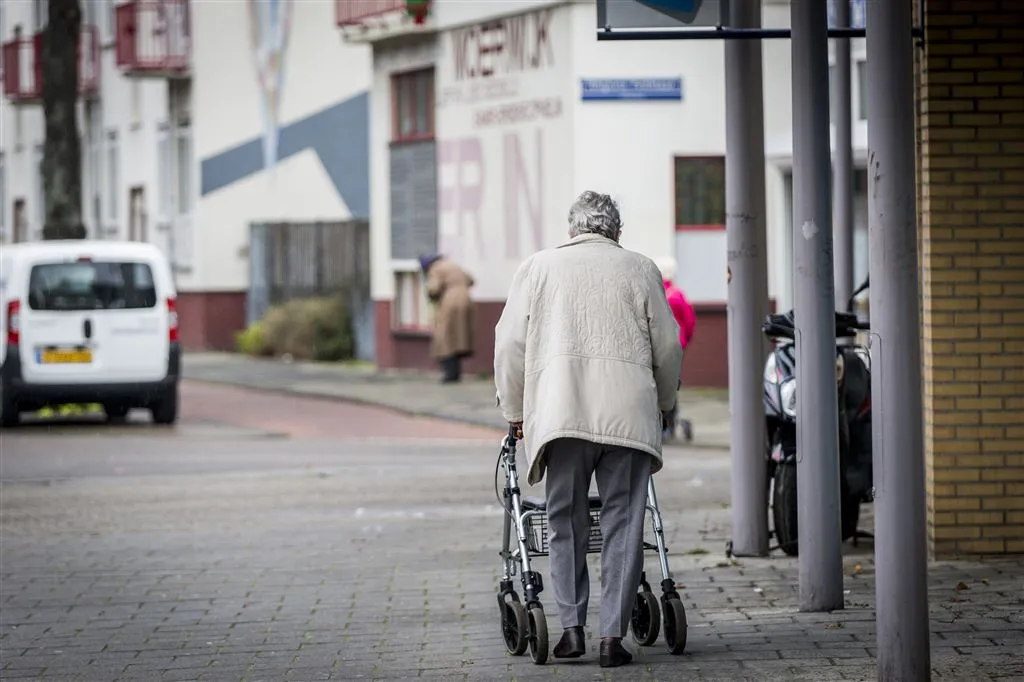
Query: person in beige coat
x=448 y=286
x=586 y=360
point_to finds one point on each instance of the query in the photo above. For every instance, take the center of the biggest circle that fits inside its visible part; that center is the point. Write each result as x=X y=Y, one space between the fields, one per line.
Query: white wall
x=320 y=70
x=627 y=148
x=132 y=110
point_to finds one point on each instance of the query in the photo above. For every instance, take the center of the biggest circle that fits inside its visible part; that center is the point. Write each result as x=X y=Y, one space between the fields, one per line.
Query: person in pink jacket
x=681 y=308
x=686 y=318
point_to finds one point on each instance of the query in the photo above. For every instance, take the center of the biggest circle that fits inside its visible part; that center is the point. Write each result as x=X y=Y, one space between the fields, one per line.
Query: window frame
x=113 y=175
x=423 y=314
x=407 y=87
x=3 y=195
x=709 y=222
x=860 y=69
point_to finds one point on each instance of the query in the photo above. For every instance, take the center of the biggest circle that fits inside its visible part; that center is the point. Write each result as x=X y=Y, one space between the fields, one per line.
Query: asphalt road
x=275 y=538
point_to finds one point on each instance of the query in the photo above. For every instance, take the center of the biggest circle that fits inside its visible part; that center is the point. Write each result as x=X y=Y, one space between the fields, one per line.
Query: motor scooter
x=853 y=403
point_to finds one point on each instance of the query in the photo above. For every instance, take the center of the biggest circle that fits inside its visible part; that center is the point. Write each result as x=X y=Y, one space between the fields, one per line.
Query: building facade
x=198 y=119
x=494 y=116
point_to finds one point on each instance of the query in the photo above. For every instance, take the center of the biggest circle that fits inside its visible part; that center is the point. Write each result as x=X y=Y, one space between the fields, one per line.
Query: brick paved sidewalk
x=328 y=574
x=471 y=401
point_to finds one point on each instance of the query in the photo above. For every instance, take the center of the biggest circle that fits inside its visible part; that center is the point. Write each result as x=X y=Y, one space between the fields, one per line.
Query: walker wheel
x=675 y=624
x=513 y=627
x=538 y=635
x=646 y=620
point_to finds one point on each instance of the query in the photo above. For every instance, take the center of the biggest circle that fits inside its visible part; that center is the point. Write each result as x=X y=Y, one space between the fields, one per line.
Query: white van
x=88 y=322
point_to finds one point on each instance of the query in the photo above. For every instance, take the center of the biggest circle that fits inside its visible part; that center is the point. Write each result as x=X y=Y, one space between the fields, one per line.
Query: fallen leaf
x=857 y=569
x=833 y=626
x=961 y=586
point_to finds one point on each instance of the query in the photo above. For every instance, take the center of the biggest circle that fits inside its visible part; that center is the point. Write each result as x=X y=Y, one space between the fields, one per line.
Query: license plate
x=65 y=356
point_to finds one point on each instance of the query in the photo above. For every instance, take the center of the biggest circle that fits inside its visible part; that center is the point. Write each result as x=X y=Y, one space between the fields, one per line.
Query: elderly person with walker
x=586 y=361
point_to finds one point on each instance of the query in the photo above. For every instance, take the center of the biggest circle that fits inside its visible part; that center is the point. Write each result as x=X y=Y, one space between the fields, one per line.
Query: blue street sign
x=598 y=89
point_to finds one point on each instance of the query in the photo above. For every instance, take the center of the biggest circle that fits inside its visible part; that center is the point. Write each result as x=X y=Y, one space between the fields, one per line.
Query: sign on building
x=604 y=89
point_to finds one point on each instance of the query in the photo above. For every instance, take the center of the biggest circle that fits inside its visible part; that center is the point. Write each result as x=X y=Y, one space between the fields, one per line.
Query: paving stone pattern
x=288 y=578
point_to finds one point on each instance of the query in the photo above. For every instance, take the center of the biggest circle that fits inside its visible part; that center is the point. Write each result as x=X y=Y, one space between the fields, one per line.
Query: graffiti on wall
x=269 y=28
x=502 y=143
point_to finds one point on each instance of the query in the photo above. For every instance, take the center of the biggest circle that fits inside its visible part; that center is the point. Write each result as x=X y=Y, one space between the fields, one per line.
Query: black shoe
x=613 y=654
x=572 y=644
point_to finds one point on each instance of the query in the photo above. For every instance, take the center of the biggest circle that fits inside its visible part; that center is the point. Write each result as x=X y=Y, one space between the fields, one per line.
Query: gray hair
x=595 y=213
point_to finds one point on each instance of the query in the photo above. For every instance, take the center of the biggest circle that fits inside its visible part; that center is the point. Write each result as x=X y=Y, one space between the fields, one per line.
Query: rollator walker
x=523 y=625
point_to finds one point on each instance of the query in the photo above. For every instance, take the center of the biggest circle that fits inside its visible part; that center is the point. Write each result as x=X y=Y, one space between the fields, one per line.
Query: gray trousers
x=622 y=477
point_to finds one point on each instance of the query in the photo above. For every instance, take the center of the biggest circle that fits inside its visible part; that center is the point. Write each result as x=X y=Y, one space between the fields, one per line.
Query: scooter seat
x=540 y=504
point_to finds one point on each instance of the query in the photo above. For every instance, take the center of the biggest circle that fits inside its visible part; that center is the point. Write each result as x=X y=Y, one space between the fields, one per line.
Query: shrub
x=307 y=329
x=252 y=341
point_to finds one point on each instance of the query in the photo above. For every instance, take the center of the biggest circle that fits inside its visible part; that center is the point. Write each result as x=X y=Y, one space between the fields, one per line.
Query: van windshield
x=87 y=285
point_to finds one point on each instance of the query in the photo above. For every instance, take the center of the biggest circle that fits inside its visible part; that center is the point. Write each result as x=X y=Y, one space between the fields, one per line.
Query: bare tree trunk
x=62 y=154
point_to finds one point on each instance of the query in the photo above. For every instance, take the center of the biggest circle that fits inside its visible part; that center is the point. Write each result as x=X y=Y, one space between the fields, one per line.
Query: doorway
x=137 y=215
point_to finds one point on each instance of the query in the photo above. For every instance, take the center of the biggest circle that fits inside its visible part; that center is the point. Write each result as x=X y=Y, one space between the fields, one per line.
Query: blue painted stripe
x=340 y=136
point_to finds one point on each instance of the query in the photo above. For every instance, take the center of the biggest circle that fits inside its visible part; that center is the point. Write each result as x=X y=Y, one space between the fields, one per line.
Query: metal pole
x=842 y=165
x=821 y=559
x=748 y=281
x=901 y=586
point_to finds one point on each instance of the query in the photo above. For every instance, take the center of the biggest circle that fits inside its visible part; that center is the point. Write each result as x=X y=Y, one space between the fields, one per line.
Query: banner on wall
x=504 y=144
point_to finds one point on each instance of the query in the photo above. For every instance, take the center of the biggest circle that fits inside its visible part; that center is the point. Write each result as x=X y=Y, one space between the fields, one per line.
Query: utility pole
x=901 y=582
x=842 y=165
x=748 y=280
x=820 y=537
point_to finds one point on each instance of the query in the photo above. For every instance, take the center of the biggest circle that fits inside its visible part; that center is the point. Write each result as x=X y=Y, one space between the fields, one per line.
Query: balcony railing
x=23 y=67
x=352 y=12
x=154 y=38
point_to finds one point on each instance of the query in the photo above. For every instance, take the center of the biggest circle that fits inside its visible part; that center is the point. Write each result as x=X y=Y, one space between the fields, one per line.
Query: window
x=88 y=12
x=113 y=180
x=39 y=15
x=183 y=167
x=700 y=191
x=412 y=308
x=862 y=91
x=39 y=192
x=91 y=286
x=164 y=173
x=109 y=18
x=412 y=105
x=3 y=198
x=92 y=179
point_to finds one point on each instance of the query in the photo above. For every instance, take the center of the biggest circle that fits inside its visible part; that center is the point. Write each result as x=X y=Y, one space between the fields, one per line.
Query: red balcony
x=154 y=38
x=23 y=67
x=356 y=12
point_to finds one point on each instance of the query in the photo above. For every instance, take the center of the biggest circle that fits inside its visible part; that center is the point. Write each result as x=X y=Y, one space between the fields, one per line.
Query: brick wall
x=971 y=179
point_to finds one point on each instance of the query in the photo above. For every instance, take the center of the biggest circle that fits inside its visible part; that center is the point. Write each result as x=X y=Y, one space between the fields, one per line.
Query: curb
x=351 y=400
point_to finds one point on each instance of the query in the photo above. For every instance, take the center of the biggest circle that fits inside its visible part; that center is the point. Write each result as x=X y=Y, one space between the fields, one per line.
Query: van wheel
x=116 y=412
x=9 y=416
x=165 y=410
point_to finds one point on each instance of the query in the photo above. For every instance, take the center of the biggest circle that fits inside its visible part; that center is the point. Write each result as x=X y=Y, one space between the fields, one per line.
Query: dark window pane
x=862 y=91
x=700 y=191
x=423 y=103
x=91 y=286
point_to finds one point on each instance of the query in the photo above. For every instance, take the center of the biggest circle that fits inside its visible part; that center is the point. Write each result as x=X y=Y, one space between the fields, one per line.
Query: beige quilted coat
x=587 y=347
